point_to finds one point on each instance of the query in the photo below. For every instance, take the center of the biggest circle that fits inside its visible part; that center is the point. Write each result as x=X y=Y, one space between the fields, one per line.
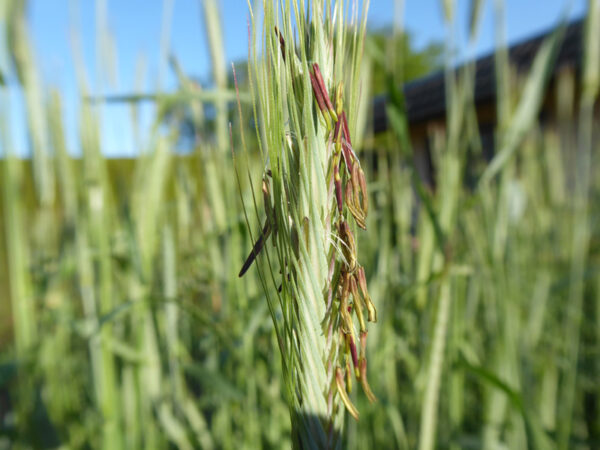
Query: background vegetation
x=123 y=323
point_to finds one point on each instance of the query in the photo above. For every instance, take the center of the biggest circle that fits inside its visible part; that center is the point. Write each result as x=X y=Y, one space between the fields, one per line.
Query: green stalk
x=20 y=286
x=581 y=220
x=97 y=212
x=21 y=293
x=434 y=373
x=450 y=164
x=212 y=22
x=27 y=72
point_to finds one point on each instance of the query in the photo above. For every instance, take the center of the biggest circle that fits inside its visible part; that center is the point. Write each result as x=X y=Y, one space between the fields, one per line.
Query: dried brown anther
x=362 y=282
x=356 y=212
x=348 y=246
x=358 y=305
x=339 y=381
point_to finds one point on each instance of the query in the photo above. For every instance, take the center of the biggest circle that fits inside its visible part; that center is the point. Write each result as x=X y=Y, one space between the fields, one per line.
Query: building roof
x=425 y=97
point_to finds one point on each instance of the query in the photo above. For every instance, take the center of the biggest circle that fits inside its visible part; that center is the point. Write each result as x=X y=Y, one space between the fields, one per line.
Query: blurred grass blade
x=529 y=104
x=538 y=436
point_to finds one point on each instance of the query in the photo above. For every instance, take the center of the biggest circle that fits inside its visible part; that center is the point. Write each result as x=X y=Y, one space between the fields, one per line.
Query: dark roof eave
x=425 y=97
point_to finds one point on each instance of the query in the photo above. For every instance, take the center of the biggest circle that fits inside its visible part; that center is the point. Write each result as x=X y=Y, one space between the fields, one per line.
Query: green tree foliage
x=402 y=58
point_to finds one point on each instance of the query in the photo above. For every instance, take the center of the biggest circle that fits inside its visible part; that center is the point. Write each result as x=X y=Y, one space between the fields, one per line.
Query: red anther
x=336 y=133
x=319 y=78
x=347 y=153
x=345 y=128
x=318 y=94
x=281 y=43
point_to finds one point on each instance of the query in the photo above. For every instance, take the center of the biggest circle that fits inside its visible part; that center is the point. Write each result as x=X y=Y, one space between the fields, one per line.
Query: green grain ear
x=306 y=124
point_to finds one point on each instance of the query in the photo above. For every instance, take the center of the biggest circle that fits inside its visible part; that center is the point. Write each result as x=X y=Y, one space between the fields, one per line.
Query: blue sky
x=135 y=27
